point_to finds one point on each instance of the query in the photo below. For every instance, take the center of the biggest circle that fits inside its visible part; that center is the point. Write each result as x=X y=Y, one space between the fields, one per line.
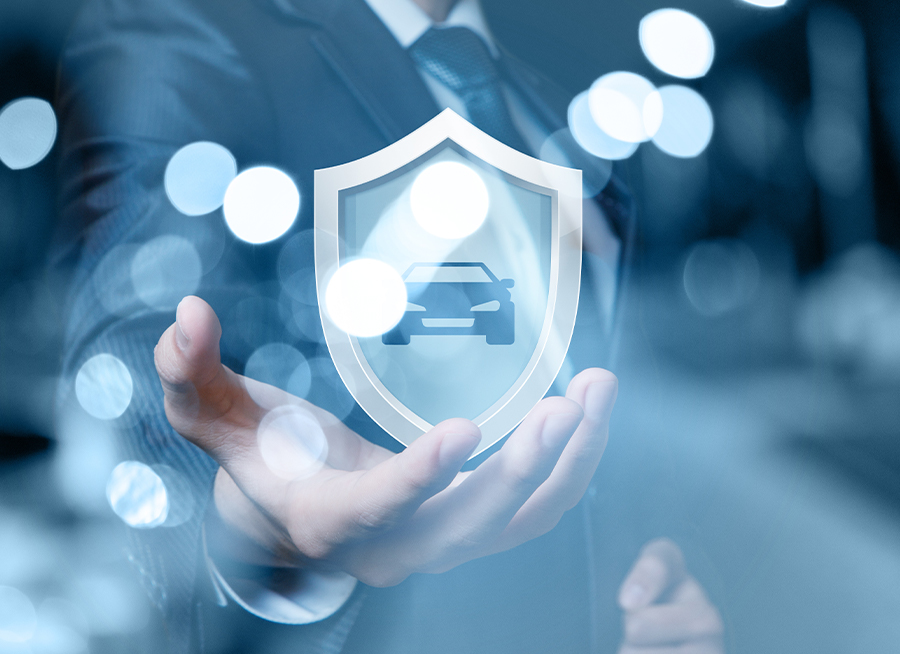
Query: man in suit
x=303 y=85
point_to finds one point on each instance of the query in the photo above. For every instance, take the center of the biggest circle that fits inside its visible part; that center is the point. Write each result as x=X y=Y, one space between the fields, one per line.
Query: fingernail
x=457 y=446
x=558 y=428
x=632 y=596
x=180 y=337
x=597 y=399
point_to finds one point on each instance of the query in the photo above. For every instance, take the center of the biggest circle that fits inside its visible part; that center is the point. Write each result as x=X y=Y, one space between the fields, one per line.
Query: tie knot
x=457 y=57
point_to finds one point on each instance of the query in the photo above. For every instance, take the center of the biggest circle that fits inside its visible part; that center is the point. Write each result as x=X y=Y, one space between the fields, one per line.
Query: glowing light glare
x=626 y=106
x=677 y=42
x=590 y=137
x=165 y=270
x=292 y=443
x=766 y=3
x=687 y=125
x=137 y=495
x=18 y=619
x=197 y=177
x=261 y=204
x=27 y=132
x=365 y=297
x=104 y=387
x=449 y=200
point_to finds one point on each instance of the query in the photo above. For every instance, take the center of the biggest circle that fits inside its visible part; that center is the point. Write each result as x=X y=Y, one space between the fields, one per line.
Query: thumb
x=197 y=387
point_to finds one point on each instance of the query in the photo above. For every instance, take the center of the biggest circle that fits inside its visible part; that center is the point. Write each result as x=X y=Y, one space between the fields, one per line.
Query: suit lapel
x=376 y=70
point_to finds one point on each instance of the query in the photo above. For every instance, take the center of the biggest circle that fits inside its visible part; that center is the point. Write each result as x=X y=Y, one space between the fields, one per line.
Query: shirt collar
x=407 y=21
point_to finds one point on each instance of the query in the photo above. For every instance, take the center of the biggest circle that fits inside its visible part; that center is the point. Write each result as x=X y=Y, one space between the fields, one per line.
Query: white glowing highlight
x=677 y=42
x=27 y=132
x=18 y=619
x=197 y=177
x=626 y=106
x=261 y=204
x=767 y=3
x=365 y=297
x=165 y=270
x=104 y=387
x=590 y=137
x=687 y=125
x=292 y=443
x=137 y=495
x=449 y=200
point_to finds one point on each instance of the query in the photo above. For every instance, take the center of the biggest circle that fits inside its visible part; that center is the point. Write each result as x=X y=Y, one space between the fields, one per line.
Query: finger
x=466 y=521
x=595 y=390
x=669 y=624
x=393 y=490
x=659 y=568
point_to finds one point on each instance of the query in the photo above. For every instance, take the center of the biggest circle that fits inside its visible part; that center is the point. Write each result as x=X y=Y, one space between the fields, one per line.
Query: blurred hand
x=377 y=515
x=666 y=610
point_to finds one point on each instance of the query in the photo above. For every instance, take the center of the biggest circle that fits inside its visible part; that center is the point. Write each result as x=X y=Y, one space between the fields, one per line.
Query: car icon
x=455 y=299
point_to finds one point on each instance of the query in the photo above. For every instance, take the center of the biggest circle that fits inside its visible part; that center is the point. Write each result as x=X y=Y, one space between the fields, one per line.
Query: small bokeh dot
x=27 y=132
x=104 y=387
x=137 y=495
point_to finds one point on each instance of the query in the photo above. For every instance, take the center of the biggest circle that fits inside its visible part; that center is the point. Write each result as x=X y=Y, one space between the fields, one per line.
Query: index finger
x=659 y=568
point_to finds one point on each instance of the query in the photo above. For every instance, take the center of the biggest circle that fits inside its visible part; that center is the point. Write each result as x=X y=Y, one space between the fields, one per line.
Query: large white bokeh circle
x=449 y=200
x=677 y=43
x=626 y=106
x=197 y=177
x=688 y=123
x=261 y=204
x=589 y=136
x=365 y=297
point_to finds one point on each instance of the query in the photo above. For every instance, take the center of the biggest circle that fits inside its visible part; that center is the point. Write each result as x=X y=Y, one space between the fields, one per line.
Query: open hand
x=666 y=609
x=376 y=515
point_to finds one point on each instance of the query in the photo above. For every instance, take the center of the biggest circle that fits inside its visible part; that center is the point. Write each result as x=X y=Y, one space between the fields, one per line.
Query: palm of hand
x=377 y=515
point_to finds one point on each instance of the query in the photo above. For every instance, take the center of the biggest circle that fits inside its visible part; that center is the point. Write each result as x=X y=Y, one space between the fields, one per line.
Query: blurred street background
x=759 y=353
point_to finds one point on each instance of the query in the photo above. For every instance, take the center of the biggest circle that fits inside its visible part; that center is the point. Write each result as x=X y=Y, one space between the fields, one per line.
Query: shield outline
x=562 y=184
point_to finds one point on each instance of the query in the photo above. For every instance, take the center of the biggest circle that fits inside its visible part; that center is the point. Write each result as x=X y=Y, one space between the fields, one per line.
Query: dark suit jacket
x=301 y=85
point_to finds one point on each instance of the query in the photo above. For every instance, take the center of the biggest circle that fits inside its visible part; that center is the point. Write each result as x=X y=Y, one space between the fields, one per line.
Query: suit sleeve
x=139 y=80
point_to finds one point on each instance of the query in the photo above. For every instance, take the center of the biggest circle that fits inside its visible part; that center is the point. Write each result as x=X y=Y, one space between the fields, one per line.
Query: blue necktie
x=461 y=60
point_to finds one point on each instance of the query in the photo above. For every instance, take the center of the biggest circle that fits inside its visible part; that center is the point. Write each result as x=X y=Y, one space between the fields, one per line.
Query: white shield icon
x=491 y=299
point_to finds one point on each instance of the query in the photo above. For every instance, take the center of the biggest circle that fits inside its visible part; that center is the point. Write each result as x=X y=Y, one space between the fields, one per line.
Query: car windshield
x=432 y=273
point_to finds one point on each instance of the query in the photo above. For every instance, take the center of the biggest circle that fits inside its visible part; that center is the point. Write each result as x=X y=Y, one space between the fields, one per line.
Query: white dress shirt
x=314 y=596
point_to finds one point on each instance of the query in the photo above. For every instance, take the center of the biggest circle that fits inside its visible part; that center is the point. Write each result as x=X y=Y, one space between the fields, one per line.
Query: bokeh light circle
x=279 y=365
x=555 y=150
x=767 y=3
x=687 y=125
x=165 y=270
x=27 y=132
x=590 y=137
x=104 y=387
x=197 y=177
x=261 y=204
x=292 y=442
x=137 y=495
x=365 y=297
x=677 y=43
x=18 y=619
x=626 y=106
x=449 y=200
x=720 y=276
